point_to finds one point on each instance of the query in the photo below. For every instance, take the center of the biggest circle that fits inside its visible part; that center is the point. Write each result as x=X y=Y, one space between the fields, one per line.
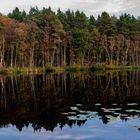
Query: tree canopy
x=43 y=38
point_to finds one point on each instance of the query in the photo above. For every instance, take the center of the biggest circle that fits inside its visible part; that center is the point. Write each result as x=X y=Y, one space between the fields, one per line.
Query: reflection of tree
x=39 y=100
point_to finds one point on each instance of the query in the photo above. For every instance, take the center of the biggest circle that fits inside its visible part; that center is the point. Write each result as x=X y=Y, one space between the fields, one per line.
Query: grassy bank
x=16 y=71
x=113 y=67
x=100 y=68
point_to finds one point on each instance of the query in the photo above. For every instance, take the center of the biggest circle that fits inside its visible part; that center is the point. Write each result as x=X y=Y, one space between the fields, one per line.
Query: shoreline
x=16 y=71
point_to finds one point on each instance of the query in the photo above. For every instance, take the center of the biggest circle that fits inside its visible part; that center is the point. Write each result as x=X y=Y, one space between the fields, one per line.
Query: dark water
x=87 y=106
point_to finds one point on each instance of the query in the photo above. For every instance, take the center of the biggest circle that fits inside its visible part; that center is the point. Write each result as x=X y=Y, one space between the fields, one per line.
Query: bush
x=49 y=70
x=3 y=71
x=97 y=68
x=71 y=69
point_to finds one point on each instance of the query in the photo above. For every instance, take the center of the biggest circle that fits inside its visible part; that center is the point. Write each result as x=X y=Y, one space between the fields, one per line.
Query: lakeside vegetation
x=20 y=71
x=45 y=41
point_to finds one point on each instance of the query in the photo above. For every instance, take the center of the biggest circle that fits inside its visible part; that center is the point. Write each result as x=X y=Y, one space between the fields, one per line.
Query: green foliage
x=106 y=24
x=43 y=38
x=18 y=15
x=127 y=25
x=50 y=70
x=80 y=20
x=70 y=19
x=97 y=68
x=18 y=71
x=91 y=23
x=71 y=69
x=3 y=71
x=76 y=69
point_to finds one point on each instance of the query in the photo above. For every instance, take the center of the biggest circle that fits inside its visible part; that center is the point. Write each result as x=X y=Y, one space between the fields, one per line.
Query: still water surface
x=76 y=106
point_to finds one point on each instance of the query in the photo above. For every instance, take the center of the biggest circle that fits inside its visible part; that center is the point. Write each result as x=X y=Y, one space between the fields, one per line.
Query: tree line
x=44 y=38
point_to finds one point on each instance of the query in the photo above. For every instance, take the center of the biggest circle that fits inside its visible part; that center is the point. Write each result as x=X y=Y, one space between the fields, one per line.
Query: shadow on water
x=48 y=101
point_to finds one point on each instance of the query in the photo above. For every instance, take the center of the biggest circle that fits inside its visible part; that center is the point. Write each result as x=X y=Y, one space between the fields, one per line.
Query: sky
x=90 y=7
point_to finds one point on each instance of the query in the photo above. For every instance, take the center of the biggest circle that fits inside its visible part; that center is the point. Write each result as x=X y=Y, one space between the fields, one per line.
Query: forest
x=44 y=38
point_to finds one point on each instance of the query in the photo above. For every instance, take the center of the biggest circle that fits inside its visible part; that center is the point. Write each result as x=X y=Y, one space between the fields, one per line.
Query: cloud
x=90 y=7
x=95 y=7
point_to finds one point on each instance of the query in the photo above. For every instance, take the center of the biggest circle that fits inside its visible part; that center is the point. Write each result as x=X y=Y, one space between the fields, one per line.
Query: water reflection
x=48 y=101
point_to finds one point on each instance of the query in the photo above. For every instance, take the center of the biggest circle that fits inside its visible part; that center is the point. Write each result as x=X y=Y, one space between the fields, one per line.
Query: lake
x=70 y=106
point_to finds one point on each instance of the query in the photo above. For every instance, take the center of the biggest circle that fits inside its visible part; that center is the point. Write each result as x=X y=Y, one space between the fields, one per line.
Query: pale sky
x=90 y=7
